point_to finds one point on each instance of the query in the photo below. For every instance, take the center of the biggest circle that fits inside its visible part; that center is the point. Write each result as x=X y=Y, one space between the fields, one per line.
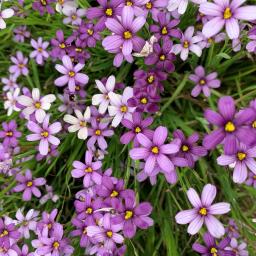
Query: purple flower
x=237 y=249
x=71 y=75
x=189 y=149
x=107 y=9
x=10 y=83
x=20 y=33
x=166 y=27
x=203 y=212
x=20 y=65
x=188 y=43
x=203 y=82
x=59 y=45
x=155 y=152
x=88 y=170
x=251 y=46
x=230 y=125
x=225 y=13
x=125 y=33
x=232 y=229
x=251 y=181
x=40 y=53
x=162 y=57
x=136 y=126
x=28 y=185
x=136 y=5
x=6 y=249
x=242 y=159
x=212 y=247
x=44 y=134
x=154 y=7
x=78 y=51
x=49 y=195
x=133 y=215
x=48 y=222
x=8 y=232
x=43 y=6
x=74 y=16
x=10 y=134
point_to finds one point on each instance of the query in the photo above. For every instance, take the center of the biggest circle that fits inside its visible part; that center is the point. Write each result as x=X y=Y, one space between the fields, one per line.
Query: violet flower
x=9 y=134
x=10 y=83
x=232 y=229
x=155 y=151
x=124 y=32
x=212 y=247
x=231 y=126
x=237 y=249
x=203 y=212
x=39 y=54
x=20 y=33
x=28 y=185
x=20 y=65
x=59 y=45
x=225 y=13
x=43 y=6
x=47 y=224
x=8 y=232
x=154 y=8
x=88 y=170
x=90 y=34
x=71 y=75
x=251 y=46
x=251 y=181
x=44 y=134
x=203 y=82
x=136 y=5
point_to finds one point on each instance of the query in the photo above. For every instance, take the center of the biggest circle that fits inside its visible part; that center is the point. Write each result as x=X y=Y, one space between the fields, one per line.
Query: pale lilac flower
x=49 y=195
x=136 y=5
x=65 y=4
x=208 y=41
x=238 y=249
x=10 y=83
x=9 y=134
x=71 y=75
x=188 y=43
x=26 y=222
x=119 y=108
x=28 y=185
x=226 y=13
x=44 y=134
x=20 y=65
x=20 y=33
x=36 y=104
x=5 y=14
x=79 y=123
x=11 y=100
x=102 y=100
x=204 y=82
x=181 y=5
x=251 y=46
x=251 y=181
x=203 y=212
x=39 y=54
x=74 y=16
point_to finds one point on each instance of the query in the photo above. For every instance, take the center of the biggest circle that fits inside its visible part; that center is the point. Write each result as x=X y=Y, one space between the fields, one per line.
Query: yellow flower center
x=90 y=32
x=43 y=2
x=21 y=65
x=89 y=210
x=254 y=177
x=9 y=134
x=71 y=73
x=61 y=1
x=85 y=231
x=185 y=148
x=37 y=105
x=128 y=215
x=210 y=40
x=137 y=129
x=254 y=124
x=109 y=12
x=49 y=226
x=56 y=245
x=5 y=233
x=149 y=5
x=214 y=251
x=203 y=211
x=162 y=57
x=127 y=35
x=164 y=31
x=227 y=13
x=151 y=79
x=155 y=150
x=230 y=127
x=123 y=109
x=109 y=234
x=129 y=3
x=82 y=123
x=114 y=194
x=29 y=184
x=62 y=45
x=202 y=82
x=186 y=44
x=78 y=49
x=88 y=170
x=144 y=100
x=40 y=49
x=73 y=17
x=98 y=132
x=241 y=156
x=45 y=134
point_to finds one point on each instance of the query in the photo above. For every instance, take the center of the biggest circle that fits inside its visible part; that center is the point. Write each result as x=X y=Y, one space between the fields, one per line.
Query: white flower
x=11 y=101
x=181 y=5
x=102 y=100
x=62 y=4
x=119 y=108
x=147 y=48
x=36 y=104
x=79 y=123
x=5 y=14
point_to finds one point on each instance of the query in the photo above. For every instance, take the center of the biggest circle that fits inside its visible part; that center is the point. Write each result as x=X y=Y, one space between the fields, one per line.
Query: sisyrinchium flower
x=39 y=54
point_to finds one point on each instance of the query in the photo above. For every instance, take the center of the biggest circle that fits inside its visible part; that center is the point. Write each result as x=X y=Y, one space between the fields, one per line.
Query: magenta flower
x=28 y=185
x=44 y=134
x=241 y=160
x=203 y=212
x=125 y=33
x=71 y=75
x=39 y=54
x=20 y=65
x=225 y=13
x=155 y=152
x=88 y=170
x=203 y=82
x=9 y=134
